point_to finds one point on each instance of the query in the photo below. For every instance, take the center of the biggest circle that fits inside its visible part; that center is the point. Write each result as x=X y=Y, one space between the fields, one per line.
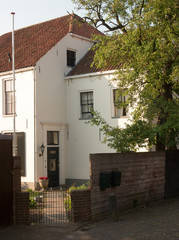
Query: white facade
x=24 y=115
x=48 y=102
x=41 y=106
x=83 y=138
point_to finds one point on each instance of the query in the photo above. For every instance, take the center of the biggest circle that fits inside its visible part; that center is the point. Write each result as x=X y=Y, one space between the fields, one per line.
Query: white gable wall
x=51 y=98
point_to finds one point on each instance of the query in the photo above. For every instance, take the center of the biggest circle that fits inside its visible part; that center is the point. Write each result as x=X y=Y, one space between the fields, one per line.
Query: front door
x=53 y=166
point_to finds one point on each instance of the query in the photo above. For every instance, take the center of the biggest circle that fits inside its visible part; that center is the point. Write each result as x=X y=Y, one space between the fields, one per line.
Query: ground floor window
x=20 y=148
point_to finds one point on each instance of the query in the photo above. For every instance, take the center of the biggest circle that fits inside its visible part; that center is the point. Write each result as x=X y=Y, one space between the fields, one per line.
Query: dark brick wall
x=20 y=199
x=81 y=205
x=21 y=208
x=143 y=180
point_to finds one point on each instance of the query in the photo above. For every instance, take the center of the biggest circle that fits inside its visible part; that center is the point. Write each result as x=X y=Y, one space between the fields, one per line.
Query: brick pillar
x=21 y=203
x=20 y=199
x=81 y=205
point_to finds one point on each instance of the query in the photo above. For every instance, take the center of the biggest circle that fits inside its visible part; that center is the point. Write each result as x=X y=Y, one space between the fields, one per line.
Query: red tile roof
x=32 y=42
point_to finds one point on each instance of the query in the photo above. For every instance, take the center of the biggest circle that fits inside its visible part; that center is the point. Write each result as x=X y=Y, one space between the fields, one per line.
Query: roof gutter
x=17 y=71
x=90 y=74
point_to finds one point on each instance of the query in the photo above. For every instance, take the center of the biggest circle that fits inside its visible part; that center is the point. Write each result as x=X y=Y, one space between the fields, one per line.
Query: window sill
x=120 y=117
x=8 y=116
x=85 y=118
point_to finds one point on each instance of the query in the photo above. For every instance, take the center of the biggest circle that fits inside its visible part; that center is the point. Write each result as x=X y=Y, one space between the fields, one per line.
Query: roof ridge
x=35 y=24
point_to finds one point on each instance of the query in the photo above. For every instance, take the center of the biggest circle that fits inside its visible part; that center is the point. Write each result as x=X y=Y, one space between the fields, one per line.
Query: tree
x=142 y=35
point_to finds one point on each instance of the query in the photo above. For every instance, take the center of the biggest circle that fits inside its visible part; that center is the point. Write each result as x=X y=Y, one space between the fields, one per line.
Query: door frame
x=62 y=129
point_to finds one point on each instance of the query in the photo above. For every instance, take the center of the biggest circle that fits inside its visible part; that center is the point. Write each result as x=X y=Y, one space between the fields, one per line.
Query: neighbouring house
x=55 y=88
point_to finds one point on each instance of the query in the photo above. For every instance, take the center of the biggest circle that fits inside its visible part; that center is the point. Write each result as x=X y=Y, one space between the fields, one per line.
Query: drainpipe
x=13 y=72
x=35 y=129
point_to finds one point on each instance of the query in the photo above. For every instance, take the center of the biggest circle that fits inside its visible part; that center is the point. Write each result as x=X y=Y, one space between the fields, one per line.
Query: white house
x=55 y=90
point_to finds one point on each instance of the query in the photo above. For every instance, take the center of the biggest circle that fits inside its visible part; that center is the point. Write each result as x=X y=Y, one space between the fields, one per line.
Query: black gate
x=50 y=207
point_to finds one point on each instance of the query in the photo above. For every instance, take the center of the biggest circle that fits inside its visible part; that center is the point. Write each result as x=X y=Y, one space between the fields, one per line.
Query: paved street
x=158 y=221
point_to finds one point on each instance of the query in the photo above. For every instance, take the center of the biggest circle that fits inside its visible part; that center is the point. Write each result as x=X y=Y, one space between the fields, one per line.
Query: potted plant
x=43 y=182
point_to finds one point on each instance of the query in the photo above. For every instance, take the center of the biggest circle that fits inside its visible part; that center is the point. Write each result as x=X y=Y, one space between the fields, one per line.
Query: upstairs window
x=8 y=97
x=86 y=104
x=119 y=104
x=71 y=58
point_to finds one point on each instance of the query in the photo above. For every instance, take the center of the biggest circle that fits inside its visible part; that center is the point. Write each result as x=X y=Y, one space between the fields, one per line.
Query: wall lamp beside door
x=42 y=148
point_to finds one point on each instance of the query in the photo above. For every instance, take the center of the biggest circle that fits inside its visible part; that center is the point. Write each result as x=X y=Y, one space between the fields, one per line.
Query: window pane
x=71 y=58
x=8 y=97
x=8 y=109
x=118 y=99
x=86 y=104
x=52 y=138
x=8 y=86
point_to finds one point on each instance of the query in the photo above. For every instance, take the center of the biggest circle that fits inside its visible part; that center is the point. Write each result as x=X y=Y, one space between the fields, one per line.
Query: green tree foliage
x=142 y=44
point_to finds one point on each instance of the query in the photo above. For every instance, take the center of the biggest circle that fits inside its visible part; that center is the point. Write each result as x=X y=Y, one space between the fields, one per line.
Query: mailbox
x=105 y=180
x=115 y=178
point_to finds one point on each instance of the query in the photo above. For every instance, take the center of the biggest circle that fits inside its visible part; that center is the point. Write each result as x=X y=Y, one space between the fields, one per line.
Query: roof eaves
x=90 y=74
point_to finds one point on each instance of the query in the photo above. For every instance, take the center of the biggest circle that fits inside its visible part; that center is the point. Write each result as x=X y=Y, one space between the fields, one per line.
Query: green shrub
x=32 y=203
x=67 y=199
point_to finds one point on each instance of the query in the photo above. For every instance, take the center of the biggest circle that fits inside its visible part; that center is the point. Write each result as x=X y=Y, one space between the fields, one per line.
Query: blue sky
x=29 y=12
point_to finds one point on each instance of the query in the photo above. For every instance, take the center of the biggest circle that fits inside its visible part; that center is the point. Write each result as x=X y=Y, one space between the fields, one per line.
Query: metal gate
x=50 y=207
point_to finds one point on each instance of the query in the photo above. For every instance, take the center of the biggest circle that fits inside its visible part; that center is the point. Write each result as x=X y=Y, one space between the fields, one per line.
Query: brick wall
x=20 y=199
x=81 y=205
x=143 y=180
x=21 y=204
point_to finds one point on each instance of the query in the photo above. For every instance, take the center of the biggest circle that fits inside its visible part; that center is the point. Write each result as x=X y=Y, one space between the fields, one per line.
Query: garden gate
x=50 y=207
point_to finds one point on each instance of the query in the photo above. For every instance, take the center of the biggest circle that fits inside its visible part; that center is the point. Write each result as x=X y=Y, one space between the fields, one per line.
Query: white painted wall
x=84 y=139
x=24 y=115
x=51 y=98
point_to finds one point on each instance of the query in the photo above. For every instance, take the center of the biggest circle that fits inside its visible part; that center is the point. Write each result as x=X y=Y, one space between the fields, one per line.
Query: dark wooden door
x=53 y=166
x=6 y=184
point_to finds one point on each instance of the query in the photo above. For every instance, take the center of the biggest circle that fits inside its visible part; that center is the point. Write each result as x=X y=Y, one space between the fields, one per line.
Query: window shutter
x=20 y=142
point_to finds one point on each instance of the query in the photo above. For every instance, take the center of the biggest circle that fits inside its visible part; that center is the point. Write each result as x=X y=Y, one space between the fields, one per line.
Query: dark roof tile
x=85 y=65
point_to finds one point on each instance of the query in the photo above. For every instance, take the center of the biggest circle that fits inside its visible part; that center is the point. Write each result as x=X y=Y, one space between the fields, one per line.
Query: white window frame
x=81 y=117
x=5 y=112
x=121 y=112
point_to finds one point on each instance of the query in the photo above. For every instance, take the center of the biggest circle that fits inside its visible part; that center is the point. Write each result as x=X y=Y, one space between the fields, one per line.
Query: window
x=119 y=104
x=8 y=97
x=52 y=138
x=20 y=148
x=86 y=104
x=71 y=58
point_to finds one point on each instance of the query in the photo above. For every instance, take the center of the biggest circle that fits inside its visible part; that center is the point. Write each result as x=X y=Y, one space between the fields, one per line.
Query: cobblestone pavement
x=158 y=221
